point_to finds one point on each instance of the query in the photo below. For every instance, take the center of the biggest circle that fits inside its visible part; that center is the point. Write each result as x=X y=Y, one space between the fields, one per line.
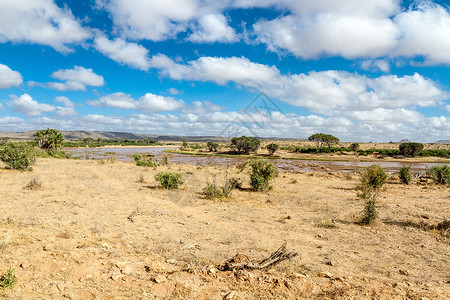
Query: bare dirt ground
x=72 y=238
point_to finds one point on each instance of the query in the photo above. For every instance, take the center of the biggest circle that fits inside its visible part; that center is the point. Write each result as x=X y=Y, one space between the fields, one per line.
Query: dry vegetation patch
x=94 y=230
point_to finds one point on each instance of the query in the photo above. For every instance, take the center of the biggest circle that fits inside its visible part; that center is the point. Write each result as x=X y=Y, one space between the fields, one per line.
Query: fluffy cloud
x=375 y=65
x=217 y=69
x=426 y=32
x=161 y=20
x=64 y=100
x=213 y=28
x=76 y=79
x=9 y=78
x=41 y=22
x=149 y=103
x=26 y=105
x=123 y=52
x=325 y=92
x=355 y=29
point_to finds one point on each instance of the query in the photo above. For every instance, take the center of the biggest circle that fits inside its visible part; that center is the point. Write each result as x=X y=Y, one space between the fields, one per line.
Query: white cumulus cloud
x=41 y=22
x=149 y=103
x=76 y=79
x=213 y=28
x=9 y=78
x=123 y=52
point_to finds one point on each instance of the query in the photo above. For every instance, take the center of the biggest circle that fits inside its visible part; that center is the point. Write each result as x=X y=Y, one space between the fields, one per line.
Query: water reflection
x=126 y=154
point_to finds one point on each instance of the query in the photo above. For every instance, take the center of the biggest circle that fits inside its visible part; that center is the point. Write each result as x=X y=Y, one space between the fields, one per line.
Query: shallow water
x=126 y=154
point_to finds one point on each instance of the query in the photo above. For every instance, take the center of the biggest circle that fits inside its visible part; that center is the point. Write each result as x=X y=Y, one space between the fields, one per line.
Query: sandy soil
x=71 y=238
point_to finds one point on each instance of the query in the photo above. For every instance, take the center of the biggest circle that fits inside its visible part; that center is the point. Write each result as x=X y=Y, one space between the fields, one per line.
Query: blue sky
x=362 y=70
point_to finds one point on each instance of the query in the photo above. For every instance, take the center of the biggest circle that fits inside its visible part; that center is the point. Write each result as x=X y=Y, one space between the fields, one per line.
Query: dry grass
x=74 y=238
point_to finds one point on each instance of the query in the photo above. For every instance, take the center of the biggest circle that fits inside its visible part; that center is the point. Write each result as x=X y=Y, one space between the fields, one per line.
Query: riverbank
x=73 y=237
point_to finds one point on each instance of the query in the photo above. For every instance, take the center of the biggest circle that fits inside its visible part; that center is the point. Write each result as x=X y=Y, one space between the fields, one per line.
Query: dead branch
x=241 y=261
x=136 y=212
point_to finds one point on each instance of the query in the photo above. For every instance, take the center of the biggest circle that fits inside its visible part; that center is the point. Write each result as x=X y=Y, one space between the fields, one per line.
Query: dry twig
x=241 y=261
x=136 y=212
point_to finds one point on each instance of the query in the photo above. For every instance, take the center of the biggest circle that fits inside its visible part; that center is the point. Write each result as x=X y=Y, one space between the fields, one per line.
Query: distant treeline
x=382 y=152
x=92 y=143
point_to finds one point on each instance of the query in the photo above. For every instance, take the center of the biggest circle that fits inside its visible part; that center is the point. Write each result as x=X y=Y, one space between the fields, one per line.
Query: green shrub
x=262 y=173
x=323 y=139
x=246 y=144
x=213 y=191
x=140 y=161
x=404 y=174
x=440 y=174
x=18 y=156
x=354 y=147
x=169 y=180
x=372 y=179
x=212 y=146
x=272 y=148
x=370 y=213
x=49 y=138
x=7 y=279
x=410 y=149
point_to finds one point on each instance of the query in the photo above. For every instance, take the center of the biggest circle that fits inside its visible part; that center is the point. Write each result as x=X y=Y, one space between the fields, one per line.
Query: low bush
x=140 y=161
x=272 y=148
x=18 y=156
x=7 y=279
x=405 y=174
x=169 y=180
x=370 y=213
x=213 y=191
x=410 y=149
x=372 y=179
x=34 y=184
x=212 y=146
x=354 y=147
x=440 y=174
x=262 y=173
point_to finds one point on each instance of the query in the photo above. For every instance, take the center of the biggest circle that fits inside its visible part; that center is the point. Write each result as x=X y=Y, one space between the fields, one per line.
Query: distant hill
x=77 y=135
x=446 y=142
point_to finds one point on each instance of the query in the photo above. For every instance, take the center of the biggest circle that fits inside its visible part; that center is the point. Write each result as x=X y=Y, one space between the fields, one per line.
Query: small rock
x=230 y=295
x=300 y=276
x=403 y=272
x=160 y=278
x=48 y=247
x=171 y=261
x=24 y=265
x=444 y=225
x=115 y=277
x=127 y=270
x=121 y=264
x=330 y=263
x=325 y=274
x=105 y=245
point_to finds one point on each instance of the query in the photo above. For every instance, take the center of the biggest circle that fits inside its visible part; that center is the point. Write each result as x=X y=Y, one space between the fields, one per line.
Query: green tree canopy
x=49 y=139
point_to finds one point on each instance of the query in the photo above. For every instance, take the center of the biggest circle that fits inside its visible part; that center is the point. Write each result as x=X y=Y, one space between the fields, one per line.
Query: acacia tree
x=272 y=148
x=246 y=144
x=49 y=139
x=212 y=146
x=322 y=139
x=410 y=149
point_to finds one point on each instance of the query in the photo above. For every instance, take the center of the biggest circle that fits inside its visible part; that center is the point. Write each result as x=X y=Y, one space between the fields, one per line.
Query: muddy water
x=126 y=154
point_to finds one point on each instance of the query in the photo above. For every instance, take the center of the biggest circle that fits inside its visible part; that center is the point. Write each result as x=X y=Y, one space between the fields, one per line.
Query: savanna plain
x=105 y=229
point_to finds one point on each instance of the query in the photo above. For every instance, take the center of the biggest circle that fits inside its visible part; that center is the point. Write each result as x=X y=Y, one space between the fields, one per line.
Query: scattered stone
x=48 y=247
x=127 y=270
x=171 y=261
x=115 y=277
x=326 y=274
x=105 y=245
x=160 y=279
x=300 y=276
x=403 y=272
x=330 y=263
x=24 y=265
x=121 y=264
x=230 y=295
